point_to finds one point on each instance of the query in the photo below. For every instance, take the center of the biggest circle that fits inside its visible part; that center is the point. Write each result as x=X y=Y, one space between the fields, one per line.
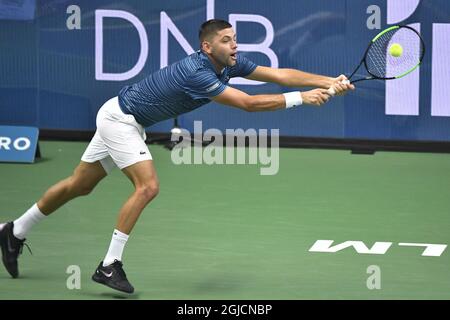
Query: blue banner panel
x=57 y=70
x=17 y=9
x=18 y=144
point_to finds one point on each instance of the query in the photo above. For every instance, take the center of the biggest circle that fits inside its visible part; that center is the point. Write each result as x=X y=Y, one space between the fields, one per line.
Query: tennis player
x=120 y=136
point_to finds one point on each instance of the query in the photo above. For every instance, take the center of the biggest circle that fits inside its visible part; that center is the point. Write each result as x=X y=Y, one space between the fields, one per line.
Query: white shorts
x=119 y=139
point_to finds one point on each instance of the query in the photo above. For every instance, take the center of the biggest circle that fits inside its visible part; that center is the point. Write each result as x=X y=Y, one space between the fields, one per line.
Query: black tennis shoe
x=11 y=248
x=113 y=276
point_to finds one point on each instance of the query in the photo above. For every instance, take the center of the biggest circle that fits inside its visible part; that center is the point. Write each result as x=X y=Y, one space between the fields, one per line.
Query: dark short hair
x=212 y=26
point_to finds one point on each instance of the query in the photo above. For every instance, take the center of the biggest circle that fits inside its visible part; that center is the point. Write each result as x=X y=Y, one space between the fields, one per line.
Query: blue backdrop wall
x=56 y=70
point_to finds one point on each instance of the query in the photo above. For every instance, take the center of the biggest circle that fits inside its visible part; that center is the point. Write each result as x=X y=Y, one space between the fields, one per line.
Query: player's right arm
x=267 y=102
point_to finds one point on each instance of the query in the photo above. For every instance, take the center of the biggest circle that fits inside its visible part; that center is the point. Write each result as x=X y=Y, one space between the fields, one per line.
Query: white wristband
x=293 y=99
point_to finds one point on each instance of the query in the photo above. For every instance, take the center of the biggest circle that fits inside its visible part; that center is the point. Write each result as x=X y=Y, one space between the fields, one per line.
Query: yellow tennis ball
x=396 y=50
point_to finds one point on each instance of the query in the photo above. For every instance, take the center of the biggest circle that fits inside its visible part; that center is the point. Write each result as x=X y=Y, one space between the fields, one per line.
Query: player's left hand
x=342 y=85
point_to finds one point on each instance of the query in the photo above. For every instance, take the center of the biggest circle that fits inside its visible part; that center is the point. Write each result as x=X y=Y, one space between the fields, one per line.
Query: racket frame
x=364 y=61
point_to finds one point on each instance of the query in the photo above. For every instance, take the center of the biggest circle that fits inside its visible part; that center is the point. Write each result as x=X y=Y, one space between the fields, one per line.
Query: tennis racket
x=392 y=54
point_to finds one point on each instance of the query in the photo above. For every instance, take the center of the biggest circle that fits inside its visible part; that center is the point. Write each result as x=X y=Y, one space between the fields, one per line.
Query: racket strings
x=376 y=56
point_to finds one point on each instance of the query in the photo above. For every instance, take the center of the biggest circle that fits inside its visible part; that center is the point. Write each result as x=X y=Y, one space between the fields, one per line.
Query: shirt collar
x=204 y=57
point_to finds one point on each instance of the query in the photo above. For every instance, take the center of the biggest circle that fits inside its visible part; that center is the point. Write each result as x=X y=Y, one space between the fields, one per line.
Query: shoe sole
x=101 y=281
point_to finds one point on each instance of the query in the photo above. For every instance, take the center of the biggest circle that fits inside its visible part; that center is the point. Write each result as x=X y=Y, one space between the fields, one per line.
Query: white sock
x=118 y=241
x=23 y=224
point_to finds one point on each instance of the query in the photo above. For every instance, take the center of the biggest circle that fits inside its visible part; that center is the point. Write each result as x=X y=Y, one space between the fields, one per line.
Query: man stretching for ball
x=120 y=136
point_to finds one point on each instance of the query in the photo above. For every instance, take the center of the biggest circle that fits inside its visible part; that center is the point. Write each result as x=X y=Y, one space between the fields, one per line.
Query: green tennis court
x=226 y=232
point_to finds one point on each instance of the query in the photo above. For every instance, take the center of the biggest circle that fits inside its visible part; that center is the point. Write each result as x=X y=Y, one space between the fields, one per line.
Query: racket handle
x=331 y=90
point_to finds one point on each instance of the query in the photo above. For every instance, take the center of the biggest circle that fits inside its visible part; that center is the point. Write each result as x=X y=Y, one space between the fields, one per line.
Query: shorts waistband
x=123 y=108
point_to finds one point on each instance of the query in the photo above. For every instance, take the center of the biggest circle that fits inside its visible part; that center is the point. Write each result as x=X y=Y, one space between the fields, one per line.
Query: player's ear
x=206 y=46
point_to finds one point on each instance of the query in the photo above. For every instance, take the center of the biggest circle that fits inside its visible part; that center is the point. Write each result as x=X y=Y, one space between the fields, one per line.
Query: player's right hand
x=316 y=97
x=341 y=85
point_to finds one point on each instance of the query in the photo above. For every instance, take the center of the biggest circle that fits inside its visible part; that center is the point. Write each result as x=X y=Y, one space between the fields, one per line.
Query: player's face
x=224 y=48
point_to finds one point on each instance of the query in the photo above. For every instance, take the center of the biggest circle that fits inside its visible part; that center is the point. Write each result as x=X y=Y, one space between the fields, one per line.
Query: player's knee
x=84 y=190
x=149 y=190
x=80 y=188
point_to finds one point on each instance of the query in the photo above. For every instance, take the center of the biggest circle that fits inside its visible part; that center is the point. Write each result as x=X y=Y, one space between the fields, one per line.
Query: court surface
x=226 y=232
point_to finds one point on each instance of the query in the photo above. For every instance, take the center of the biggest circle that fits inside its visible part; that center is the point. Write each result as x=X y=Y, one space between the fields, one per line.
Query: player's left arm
x=295 y=78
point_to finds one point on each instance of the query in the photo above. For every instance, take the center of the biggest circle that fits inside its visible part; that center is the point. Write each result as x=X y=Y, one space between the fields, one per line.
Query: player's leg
x=83 y=180
x=95 y=164
x=125 y=140
x=144 y=178
x=12 y=234
x=110 y=271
